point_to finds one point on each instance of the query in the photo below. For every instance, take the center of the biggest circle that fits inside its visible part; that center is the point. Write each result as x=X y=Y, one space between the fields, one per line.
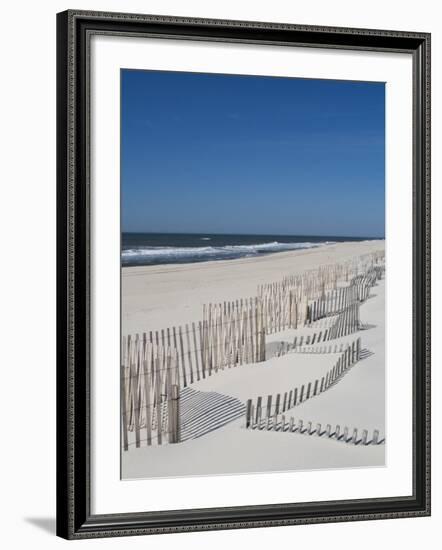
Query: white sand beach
x=156 y=297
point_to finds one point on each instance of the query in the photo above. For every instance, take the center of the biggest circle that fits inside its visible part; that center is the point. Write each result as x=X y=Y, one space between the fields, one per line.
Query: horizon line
x=254 y=234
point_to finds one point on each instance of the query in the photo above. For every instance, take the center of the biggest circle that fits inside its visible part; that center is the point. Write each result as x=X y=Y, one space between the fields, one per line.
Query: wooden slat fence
x=283 y=423
x=332 y=303
x=335 y=301
x=150 y=389
x=281 y=402
x=314 y=282
x=298 y=300
x=232 y=333
x=346 y=323
x=282 y=309
x=156 y=364
x=288 y=347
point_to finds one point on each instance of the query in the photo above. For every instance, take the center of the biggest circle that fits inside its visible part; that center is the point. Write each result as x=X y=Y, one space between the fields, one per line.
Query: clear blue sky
x=240 y=154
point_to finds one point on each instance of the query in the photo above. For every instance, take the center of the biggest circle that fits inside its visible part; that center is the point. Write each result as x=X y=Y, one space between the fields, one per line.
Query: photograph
x=253 y=274
x=243 y=273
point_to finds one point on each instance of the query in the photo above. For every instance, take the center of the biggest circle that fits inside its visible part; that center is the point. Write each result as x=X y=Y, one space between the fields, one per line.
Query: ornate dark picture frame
x=74 y=518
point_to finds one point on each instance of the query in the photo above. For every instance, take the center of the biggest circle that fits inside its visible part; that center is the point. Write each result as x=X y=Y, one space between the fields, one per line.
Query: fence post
x=183 y=367
x=258 y=411
x=269 y=406
x=248 y=413
x=315 y=390
x=364 y=437
x=263 y=345
x=147 y=391
x=284 y=403
x=174 y=414
x=375 y=437
x=123 y=408
x=195 y=351
x=278 y=399
x=158 y=395
x=134 y=364
x=202 y=348
x=355 y=436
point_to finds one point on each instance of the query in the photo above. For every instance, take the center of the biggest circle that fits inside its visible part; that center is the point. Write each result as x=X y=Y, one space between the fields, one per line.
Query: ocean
x=177 y=248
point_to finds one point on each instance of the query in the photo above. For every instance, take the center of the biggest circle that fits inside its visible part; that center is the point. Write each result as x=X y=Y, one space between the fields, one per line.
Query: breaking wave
x=150 y=255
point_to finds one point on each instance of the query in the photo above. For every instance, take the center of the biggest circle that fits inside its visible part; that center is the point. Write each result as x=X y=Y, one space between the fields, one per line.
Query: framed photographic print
x=243 y=274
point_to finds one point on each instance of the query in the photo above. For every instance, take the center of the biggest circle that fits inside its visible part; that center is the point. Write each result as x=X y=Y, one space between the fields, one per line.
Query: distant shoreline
x=154 y=249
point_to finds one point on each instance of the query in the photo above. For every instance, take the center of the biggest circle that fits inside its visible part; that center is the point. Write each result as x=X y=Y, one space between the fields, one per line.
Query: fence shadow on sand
x=202 y=412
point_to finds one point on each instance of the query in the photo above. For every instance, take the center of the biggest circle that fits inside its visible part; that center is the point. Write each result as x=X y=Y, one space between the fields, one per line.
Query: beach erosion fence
x=230 y=334
x=300 y=300
x=150 y=392
x=283 y=423
x=157 y=365
x=260 y=413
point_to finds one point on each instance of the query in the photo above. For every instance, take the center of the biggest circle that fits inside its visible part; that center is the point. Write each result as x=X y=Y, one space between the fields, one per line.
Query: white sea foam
x=156 y=254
